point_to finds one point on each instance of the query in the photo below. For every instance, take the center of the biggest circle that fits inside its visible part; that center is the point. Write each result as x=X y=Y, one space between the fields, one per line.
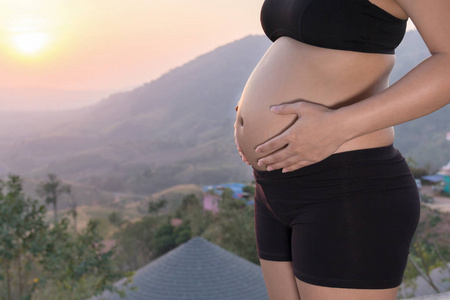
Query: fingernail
x=269 y=168
x=275 y=108
x=283 y=171
x=260 y=163
x=257 y=150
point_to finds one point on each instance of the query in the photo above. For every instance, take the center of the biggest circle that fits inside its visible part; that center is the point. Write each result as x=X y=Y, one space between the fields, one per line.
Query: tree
x=69 y=259
x=73 y=212
x=249 y=189
x=168 y=237
x=116 y=218
x=227 y=193
x=22 y=231
x=154 y=207
x=51 y=190
x=189 y=201
x=191 y=212
x=233 y=229
x=65 y=260
x=164 y=239
x=135 y=242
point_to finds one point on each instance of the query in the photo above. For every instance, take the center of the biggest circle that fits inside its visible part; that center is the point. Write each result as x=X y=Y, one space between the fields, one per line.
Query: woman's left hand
x=316 y=134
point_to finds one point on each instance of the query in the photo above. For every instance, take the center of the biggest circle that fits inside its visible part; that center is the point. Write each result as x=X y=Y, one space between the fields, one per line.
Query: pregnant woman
x=336 y=205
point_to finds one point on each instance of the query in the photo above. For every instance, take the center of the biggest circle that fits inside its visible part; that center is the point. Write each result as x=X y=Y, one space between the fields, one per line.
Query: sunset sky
x=57 y=54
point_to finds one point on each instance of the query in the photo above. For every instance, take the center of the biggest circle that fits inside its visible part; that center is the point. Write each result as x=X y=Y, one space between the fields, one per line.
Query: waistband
x=335 y=160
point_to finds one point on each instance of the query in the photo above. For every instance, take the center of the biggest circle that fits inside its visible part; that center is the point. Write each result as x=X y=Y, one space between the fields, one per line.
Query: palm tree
x=51 y=190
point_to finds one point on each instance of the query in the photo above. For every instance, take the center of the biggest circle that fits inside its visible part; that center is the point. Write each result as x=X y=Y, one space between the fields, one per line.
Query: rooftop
x=197 y=270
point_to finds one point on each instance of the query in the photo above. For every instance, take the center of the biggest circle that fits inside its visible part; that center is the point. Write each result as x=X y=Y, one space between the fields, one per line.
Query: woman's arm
x=420 y=92
x=424 y=89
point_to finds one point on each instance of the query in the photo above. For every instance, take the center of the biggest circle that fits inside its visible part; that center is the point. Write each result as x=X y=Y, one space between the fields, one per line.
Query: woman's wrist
x=344 y=121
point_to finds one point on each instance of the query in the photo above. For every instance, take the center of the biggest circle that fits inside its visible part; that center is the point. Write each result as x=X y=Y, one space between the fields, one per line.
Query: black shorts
x=346 y=221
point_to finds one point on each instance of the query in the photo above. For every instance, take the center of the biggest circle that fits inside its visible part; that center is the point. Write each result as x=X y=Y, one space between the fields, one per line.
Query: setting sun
x=30 y=42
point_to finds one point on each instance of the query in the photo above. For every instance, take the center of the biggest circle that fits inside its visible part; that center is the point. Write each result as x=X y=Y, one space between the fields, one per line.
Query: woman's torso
x=292 y=70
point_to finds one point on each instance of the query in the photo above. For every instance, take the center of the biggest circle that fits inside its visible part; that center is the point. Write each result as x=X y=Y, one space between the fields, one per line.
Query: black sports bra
x=355 y=25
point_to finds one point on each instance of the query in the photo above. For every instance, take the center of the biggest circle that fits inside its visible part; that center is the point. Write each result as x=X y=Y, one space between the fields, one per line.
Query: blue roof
x=433 y=178
x=236 y=187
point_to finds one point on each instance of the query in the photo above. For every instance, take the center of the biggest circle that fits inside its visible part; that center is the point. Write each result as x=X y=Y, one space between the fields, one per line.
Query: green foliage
x=164 y=239
x=249 y=189
x=69 y=259
x=168 y=237
x=189 y=202
x=116 y=218
x=22 y=232
x=135 y=243
x=192 y=213
x=182 y=233
x=227 y=194
x=154 y=207
x=51 y=191
x=429 y=248
x=234 y=230
x=63 y=261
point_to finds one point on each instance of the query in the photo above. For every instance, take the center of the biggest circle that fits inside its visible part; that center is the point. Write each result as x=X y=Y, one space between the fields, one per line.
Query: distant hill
x=177 y=129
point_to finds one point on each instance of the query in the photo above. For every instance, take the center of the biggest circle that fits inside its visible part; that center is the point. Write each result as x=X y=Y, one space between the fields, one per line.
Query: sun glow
x=30 y=42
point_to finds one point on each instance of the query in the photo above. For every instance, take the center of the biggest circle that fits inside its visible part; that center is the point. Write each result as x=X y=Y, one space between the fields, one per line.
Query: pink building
x=211 y=202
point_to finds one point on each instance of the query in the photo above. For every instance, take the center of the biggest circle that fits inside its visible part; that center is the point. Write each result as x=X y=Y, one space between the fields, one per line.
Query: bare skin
x=282 y=285
x=292 y=70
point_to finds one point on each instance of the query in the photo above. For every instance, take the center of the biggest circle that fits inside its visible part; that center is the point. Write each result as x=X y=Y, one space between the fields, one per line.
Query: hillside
x=177 y=129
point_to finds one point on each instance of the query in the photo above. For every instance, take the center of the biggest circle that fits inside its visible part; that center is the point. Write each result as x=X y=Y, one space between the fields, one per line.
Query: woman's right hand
x=241 y=153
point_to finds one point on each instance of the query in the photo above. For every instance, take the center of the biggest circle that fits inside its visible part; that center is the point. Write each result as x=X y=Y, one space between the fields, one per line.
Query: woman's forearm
x=423 y=90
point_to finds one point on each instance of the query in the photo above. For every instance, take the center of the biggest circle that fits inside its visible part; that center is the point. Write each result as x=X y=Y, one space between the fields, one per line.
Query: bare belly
x=291 y=70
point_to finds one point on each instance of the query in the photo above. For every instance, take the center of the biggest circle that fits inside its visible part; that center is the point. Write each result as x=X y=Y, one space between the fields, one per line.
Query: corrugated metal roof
x=196 y=270
x=433 y=178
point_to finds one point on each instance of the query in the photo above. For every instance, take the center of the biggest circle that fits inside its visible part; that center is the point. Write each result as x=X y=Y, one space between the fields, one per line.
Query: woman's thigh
x=279 y=280
x=346 y=222
x=314 y=292
x=358 y=234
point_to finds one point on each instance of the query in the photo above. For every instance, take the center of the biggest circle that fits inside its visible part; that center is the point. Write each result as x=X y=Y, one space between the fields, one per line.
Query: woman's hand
x=315 y=135
x=241 y=153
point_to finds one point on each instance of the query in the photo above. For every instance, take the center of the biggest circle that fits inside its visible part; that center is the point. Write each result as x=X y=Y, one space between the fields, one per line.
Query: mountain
x=176 y=129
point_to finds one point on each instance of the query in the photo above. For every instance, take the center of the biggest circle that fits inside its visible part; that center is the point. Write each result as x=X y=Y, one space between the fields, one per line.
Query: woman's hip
x=364 y=181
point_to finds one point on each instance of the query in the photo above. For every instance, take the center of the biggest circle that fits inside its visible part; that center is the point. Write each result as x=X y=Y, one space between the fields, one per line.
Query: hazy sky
x=98 y=46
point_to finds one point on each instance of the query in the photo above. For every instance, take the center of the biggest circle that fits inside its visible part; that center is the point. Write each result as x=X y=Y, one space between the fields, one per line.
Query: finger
x=297 y=166
x=273 y=144
x=276 y=157
x=289 y=108
x=285 y=163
